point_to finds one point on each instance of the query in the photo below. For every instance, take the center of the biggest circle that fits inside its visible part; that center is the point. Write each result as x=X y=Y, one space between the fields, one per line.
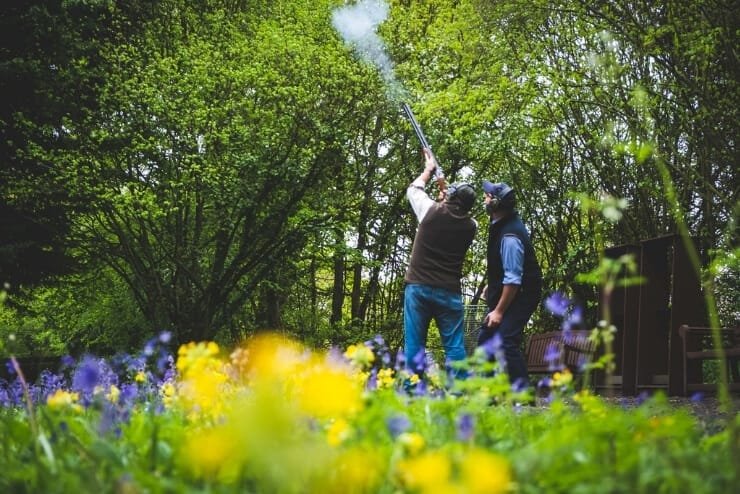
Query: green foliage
x=239 y=168
x=79 y=314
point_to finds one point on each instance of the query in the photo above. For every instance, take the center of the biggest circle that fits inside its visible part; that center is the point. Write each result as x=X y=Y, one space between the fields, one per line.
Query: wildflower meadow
x=274 y=416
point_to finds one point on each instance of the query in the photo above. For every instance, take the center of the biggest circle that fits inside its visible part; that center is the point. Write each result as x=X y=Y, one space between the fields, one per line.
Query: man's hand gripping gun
x=438 y=174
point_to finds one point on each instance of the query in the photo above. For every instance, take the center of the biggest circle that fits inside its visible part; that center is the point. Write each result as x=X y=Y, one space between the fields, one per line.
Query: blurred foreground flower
x=429 y=472
x=485 y=473
x=338 y=432
x=212 y=453
x=412 y=442
x=326 y=390
x=356 y=470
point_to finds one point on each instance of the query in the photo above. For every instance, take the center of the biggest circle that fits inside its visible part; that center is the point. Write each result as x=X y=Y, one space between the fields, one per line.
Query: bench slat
x=574 y=347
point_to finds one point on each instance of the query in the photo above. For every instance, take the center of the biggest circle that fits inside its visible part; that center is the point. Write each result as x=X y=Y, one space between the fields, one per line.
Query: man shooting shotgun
x=432 y=279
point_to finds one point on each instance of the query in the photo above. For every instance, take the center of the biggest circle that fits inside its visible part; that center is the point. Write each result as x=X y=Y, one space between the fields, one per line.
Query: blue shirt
x=512 y=258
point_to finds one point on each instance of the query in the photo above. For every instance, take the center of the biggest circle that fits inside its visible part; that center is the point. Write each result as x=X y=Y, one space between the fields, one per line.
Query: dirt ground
x=705 y=408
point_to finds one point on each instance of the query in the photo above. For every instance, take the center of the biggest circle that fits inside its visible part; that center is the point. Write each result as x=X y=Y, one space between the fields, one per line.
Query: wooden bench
x=698 y=346
x=572 y=350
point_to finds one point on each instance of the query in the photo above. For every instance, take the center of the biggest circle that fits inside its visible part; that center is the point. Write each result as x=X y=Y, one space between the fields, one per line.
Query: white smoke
x=357 y=24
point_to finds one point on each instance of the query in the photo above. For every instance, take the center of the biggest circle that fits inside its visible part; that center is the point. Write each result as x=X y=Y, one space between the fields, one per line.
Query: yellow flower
x=563 y=378
x=385 y=378
x=210 y=452
x=326 y=391
x=204 y=392
x=192 y=357
x=338 y=431
x=140 y=377
x=203 y=386
x=360 y=355
x=64 y=399
x=425 y=472
x=590 y=404
x=412 y=442
x=273 y=357
x=168 y=393
x=113 y=394
x=361 y=377
x=356 y=470
x=485 y=473
x=414 y=379
x=435 y=379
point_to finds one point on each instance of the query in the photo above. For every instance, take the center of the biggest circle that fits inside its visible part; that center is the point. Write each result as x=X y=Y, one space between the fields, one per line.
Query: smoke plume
x=357 y=24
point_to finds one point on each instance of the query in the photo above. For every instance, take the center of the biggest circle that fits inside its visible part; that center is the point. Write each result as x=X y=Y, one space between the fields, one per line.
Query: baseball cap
x=498 y=190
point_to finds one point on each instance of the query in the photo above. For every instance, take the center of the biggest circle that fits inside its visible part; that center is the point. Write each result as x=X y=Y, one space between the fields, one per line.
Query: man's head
x=500 y=197
x=462 y=195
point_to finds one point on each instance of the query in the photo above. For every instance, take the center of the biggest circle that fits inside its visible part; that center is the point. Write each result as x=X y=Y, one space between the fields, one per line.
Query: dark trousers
x=511 y=331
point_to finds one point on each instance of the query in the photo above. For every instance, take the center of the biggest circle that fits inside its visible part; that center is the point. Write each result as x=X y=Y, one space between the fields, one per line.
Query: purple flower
x=557 y=304
x=49 y=383
x=492 y=346
x=574 y=319
x=420 y=361
x=163 y=362
x=372 y=381
x=87 y=375
x=465 y=427
x=400 y=360
x=165 y=337
x=149 y=347
x=642 y=397
x=519 y=385
x=108 y=419
x=697 y=397
x=421 y=388
x=552 y=356
x=15 y=392
x=9 y=366
x=67 y=361
x=129 y=392
x=398 y=424
x=133 y=364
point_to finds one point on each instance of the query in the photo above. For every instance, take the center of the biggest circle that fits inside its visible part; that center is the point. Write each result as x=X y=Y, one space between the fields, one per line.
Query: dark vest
x=531 y=277
x=443 y=238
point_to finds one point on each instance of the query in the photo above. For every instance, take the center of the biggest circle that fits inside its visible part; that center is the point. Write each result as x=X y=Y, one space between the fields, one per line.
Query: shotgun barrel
x=438 y=175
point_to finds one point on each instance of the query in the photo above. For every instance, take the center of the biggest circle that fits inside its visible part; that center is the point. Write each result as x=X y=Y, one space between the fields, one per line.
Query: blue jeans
x=422 y=303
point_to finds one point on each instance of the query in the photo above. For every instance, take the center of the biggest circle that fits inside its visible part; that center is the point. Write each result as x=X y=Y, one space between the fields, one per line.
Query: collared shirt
x=512 y=258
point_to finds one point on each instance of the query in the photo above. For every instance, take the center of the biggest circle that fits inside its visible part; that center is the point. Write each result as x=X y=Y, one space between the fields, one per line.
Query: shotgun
x=438 y=175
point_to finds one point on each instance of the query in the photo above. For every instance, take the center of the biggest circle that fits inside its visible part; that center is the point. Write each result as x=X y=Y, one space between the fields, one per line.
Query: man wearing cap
x=433 y=288
x=514 y=279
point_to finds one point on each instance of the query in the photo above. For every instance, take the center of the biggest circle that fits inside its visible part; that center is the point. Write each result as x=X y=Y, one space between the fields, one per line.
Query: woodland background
x=217 y=168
